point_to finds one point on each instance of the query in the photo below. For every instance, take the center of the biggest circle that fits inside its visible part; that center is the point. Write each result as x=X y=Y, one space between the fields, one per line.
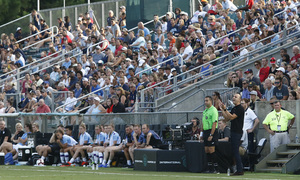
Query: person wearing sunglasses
x=280 y=91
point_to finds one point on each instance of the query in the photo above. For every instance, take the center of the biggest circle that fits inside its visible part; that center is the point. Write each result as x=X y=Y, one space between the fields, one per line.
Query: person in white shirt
x=228 y=5
x=211 y=39
x=2 y=108
x=244 y=52
x=250 y=123
x=82 y=40
x=188 y=51
x=198 y=13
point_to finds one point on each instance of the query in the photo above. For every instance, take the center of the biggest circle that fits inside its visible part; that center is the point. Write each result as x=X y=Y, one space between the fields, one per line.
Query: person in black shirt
x=118 y=106
x=5 y=135
x=236 y=116
x=18 y=134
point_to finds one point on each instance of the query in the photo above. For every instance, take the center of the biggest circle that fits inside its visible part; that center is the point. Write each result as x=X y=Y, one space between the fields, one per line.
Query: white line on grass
x=130 y=174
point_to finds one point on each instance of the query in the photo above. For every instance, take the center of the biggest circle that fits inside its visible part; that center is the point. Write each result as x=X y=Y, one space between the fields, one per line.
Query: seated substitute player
x=138 y=139
x=84 y=139
x=98 y=145
x=112 y=139
x=53 y=147
x=150 y=138
x=124 y=146
x=8 y=147
x=65 y=143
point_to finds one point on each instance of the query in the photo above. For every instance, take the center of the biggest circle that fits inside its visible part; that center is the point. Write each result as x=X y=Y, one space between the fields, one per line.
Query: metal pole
x=103 y=20
x=171 y=6
x=50 y=14
x=117 y=8
x=64 y=10
x=38 y=5
x=89 y=3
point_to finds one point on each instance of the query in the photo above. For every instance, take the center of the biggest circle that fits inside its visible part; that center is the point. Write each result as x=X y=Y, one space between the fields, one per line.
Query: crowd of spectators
x=117 y=70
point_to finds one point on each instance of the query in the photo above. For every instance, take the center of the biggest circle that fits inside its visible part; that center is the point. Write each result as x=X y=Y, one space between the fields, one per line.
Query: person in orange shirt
x=172 y=40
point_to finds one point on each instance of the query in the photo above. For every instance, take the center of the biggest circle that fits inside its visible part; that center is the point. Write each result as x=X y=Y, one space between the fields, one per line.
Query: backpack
x=8 y=159
x=32 y=160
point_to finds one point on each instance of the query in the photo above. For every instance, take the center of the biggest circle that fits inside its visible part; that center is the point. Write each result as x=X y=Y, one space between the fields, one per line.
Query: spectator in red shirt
x=65 y=35
x=249 y=4
x=264 y=71
x=118 y=47
x=42 y=107
x=296 y=58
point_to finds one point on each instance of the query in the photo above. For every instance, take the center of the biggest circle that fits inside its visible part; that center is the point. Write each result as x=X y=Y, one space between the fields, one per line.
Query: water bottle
x=297 y=139
x=123 y=142
x=228 y=172
x=170 y=146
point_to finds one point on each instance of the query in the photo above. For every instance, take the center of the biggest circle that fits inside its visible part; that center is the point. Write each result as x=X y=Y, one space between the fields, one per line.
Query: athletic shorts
x=16 y=147
x=214 y=140
x=54 y=147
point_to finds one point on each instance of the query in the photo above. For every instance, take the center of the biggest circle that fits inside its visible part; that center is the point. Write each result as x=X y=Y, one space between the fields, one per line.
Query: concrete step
x=293 y=145
x=277 y=161
x=283 y=158
x=270 y=169
x=291 y=152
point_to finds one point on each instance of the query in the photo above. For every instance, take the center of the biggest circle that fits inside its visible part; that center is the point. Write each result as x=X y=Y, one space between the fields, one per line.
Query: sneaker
x=106 y=166
x=67 y=164
x=131 y=166
x=84 y=163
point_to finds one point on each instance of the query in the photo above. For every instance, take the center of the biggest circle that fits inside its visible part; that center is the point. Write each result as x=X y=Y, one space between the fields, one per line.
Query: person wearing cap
x=99 y=55
x=46 y=97
x=128 y=65
x=280 y=72
x=250 y=77
x=55 y=74
x=280 y=91
x=188 y=50
x=277 y=123
x=206 y=5
x=18 y=34
x=253 y=99
x=198 y=13
x=173 y=28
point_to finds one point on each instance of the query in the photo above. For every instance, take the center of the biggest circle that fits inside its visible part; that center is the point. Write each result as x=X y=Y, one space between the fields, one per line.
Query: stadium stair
x=285 y=159
x=213 y=82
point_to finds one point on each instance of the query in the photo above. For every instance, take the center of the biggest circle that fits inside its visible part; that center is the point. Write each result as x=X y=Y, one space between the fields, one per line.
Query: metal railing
x=284 y=11
x=221 y=67
x=77 y=99
x=164 y=62
x=27 y=65
x=94 y=45
x=148 y=22
x=53 y=34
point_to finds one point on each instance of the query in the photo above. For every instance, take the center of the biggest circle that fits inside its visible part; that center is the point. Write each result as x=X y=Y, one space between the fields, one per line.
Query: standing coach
x=236 y=116
x=210 y=134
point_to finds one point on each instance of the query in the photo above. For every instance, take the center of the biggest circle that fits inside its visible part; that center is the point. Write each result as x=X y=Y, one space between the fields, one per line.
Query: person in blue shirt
x=78 y=90
x=8 y=147
x=127 y=142
x=151 y=139
x=173 y=27
x=96 y=87
x=67 y=62
x=142 y=28
x=65 y=143
x=84 y=139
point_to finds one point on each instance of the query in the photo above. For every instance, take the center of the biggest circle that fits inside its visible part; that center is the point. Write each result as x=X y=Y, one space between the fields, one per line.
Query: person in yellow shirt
x=277 y=124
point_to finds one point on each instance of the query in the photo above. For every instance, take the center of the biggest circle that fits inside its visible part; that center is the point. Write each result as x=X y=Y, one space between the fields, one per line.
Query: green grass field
x=81 y=173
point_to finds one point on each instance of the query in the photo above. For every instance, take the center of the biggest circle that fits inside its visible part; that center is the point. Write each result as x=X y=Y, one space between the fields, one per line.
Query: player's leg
x=131 y=150
x=127 y=155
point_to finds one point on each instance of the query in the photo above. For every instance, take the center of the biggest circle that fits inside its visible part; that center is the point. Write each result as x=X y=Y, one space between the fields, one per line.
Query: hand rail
x=21 y=40
x=30 y=64
x=78 y=54
x=15 y=20
x=156 y=65
x=145 y=23
x=42 y=40
x=284 y=10
x=227 y=63
x=88 y=49
x=231 y=33
x=228 y=55
x=79 y=98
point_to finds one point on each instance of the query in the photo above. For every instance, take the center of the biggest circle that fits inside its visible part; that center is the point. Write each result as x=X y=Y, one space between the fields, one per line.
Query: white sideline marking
x=89 y=171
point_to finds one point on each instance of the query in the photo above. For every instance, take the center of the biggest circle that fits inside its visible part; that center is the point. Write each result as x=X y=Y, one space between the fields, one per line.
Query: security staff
x=236 y=116
x=210 y=133
x=279 y=127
